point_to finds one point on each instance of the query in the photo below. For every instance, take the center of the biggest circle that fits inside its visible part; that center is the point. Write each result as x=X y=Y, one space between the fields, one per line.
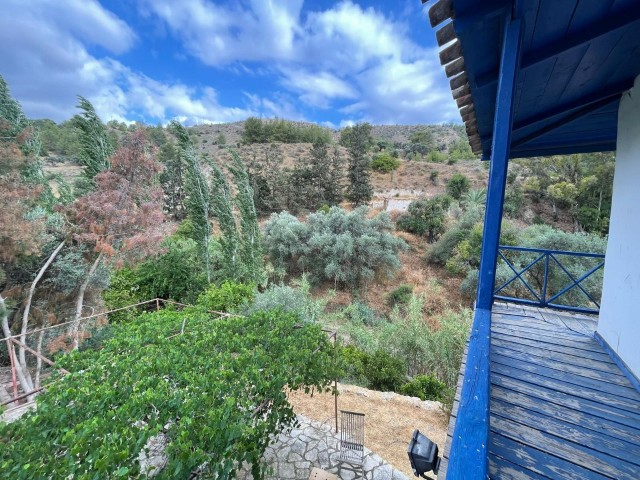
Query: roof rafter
x=556 y=48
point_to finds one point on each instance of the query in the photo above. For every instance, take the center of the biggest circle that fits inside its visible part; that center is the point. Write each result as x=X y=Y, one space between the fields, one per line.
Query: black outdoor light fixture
x=423 y=455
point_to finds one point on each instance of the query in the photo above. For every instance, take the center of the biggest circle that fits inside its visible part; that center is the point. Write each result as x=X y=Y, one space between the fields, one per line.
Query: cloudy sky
x=331 y=62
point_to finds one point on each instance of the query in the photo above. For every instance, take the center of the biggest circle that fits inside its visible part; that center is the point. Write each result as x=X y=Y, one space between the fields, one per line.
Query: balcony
x=559 y=405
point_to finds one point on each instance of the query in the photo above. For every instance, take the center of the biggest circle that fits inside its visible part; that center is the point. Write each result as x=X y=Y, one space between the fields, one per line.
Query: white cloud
x=52 y=66
x=344 y=53
x=317 y=88
x=222 y=34
x=345 y=58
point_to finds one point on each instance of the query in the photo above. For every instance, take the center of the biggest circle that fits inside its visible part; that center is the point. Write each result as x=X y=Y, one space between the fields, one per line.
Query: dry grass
x=389 y=422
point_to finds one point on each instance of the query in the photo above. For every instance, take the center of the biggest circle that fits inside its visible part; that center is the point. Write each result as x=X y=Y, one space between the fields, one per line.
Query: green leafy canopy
x=217 y=392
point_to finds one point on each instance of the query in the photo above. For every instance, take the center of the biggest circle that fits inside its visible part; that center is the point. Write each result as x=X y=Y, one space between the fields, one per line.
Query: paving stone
x=312 y=455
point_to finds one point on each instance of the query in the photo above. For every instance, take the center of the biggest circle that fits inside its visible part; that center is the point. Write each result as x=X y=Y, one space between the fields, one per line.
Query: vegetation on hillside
x=155 y=214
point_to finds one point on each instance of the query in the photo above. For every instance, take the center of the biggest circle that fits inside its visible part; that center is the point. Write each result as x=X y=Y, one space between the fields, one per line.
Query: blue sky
x=202 y=61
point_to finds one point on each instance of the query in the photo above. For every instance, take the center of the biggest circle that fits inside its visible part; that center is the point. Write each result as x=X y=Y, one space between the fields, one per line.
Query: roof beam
x=578 y=39
x=568 y=119
x=568 y=108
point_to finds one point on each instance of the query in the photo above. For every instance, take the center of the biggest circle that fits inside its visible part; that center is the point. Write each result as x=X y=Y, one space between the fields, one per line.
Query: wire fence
x=31 y=356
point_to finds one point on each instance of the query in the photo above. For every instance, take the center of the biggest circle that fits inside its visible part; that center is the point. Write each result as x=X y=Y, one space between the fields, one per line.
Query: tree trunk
x=25 y=316
x=7 y=333
x=80 y=300
x=39 y=360
x=4 y=396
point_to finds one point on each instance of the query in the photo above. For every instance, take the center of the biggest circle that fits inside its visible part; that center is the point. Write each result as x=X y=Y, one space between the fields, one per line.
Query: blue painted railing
x=546 y=278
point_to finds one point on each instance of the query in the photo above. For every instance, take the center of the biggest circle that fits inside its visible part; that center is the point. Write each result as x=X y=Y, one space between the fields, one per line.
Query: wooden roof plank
x=450 y=53
x=440 y=11
x=445 y=34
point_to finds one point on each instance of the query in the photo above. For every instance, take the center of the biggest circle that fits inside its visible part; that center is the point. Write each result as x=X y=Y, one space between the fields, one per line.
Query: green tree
x=458 y=185
x=346 y=248
x=253 y=131
x=198 y=201
x=249 y=231
x=215 y=394
x=357 y=140
x=385 y=163
x=96 y=146
x=426 y=217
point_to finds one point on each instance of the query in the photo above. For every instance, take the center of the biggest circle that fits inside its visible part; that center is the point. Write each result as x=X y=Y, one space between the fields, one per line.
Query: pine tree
x=250 y=244
x=357 y=140
x=198 y=201
x=96 y=146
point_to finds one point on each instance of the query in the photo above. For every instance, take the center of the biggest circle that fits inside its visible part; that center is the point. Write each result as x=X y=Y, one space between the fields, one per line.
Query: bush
x=385 y=372
x=433 y=176
x=176 y=274
x=436 y=157
x=346 y=248
x=425 y=217
x=444 y=248
x=353 y=361
x=359 y=313
x=458 y=185
x=290 y=300
x=227 y=297
x=399 y=296
x=385 y=163
x=425 y=387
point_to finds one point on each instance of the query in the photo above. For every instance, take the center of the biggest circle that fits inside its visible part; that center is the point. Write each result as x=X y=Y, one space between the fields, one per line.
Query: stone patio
x=313 y=444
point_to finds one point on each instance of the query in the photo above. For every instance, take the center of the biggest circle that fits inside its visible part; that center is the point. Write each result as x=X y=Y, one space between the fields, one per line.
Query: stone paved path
x=312 y=444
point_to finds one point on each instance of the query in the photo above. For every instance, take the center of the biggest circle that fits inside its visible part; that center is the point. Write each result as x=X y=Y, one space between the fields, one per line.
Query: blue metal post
x=469 y=446
x=502 y=124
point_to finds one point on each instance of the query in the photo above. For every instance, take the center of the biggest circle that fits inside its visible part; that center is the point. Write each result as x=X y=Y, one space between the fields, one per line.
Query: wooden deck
x=560 y=407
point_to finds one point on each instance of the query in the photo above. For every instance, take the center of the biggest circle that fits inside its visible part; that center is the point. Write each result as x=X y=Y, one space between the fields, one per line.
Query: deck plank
x=564 y=368
x=553 y=347
x=560 y=407
x=559 y=427
x=566 y=358
x=575 y=453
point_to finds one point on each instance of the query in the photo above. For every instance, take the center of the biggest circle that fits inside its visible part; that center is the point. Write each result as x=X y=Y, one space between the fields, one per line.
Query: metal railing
x=539 y=277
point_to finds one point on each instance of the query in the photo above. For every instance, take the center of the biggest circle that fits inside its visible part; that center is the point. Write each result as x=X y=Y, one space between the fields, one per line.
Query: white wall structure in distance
x=619 y=323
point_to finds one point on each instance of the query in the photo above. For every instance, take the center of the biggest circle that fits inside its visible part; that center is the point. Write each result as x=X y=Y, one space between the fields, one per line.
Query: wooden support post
x=157 y=304
x=502 y=125
x=469 y=447
x=13 y=369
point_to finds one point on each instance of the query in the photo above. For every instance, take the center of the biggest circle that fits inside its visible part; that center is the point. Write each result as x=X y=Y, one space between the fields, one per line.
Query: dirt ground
x=390 y=419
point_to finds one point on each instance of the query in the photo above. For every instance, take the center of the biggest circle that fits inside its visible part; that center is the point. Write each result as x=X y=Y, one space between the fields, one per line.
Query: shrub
x=359 y=313
x=425 y=387
x=399 y=296
x=227 y=297
x=436 y=157
x=346 y=248
x=353 y=361
x=458 y=185
x=385 y=163
x=425 y=217
x=384 y=371
x=444 y=248
x=290 y=300
x=433 y=176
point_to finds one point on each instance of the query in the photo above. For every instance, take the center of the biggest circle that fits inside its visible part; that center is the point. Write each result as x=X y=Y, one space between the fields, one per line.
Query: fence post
x=157 y=304
x=546 y=277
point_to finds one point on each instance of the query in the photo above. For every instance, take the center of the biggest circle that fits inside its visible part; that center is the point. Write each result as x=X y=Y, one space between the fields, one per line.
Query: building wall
x=619 y=322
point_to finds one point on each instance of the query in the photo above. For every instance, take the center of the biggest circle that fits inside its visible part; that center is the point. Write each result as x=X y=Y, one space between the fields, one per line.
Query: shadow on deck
x=560 y=407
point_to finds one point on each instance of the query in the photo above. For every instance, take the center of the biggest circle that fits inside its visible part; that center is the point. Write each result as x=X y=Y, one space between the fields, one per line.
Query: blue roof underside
x=578 y=57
